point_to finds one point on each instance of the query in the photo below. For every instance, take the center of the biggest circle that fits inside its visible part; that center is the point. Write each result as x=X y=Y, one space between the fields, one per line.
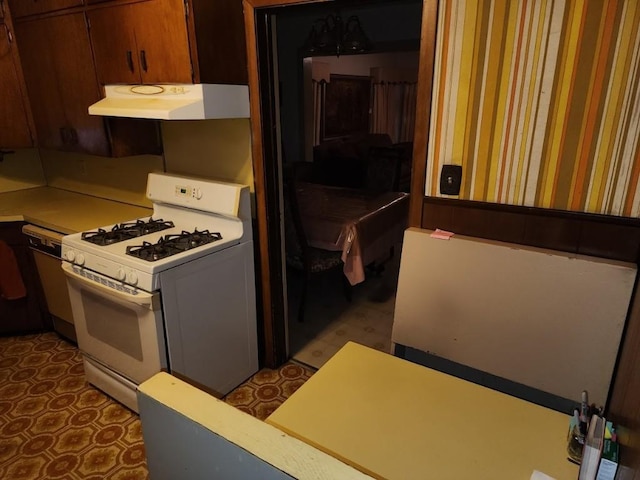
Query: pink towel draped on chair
x=11 y=284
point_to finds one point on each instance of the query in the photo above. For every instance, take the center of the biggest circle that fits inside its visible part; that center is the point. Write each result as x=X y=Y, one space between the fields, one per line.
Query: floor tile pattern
x=53 y=425
x=266 y=390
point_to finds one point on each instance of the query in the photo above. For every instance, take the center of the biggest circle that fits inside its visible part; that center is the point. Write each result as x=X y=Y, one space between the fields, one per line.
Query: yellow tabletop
x=394 y=419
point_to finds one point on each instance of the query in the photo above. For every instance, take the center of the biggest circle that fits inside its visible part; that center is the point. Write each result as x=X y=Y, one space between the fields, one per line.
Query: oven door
x=120 y=328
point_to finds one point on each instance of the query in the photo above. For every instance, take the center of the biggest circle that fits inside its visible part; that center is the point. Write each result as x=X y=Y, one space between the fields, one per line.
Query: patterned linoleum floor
x=266 y=390
x=53 y=425
x=330 y=320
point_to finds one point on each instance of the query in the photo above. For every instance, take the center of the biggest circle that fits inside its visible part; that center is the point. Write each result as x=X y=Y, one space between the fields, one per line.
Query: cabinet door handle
x=143 y=59
x=130 y=60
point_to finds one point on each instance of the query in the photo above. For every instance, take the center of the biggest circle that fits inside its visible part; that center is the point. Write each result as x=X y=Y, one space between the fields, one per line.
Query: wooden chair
x=406 y=160
x=383 y=169
x=299 y=255
x=383 y=175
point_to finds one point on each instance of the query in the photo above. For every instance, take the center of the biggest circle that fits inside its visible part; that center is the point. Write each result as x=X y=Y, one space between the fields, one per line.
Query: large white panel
x=546 y=319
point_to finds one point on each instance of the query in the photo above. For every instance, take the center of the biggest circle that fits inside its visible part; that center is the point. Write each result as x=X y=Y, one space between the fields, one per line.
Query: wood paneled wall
x=603 y=236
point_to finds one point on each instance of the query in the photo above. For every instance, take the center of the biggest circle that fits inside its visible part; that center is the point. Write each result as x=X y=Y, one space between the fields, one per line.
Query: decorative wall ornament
x=333 y=36
x=346 y=108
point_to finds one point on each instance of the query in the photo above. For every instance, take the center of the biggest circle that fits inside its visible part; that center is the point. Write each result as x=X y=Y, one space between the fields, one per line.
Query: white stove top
x=191 y=205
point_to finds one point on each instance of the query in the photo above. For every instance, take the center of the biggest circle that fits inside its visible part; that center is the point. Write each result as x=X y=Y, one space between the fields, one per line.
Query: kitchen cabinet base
x=16 y=318
x=64 y=328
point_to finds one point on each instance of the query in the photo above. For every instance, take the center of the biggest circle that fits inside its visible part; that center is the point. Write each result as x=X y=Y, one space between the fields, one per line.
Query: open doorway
x=260 y=18
x=323 y=101
x=363 y=108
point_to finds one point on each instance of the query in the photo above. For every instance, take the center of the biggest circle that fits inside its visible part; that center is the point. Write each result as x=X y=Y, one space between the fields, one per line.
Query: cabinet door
x=21 y=8
x=114 y=45
x=218 y=41
x=28 y=313
x=162 y=41
x=15 y=130
x=60 y=75
x=144 y=42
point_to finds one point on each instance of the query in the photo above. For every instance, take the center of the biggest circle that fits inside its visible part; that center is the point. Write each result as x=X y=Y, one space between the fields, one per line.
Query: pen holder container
x=575 y=443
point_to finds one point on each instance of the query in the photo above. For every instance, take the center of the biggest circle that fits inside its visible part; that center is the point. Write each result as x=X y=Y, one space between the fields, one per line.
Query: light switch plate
x=450 y=179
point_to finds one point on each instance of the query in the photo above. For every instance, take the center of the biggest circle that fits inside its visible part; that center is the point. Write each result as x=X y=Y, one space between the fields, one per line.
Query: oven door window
x=112 y=324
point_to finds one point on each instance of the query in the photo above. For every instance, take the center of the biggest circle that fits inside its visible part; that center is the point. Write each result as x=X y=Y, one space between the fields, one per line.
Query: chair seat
x=299 y=255
x=320 y=260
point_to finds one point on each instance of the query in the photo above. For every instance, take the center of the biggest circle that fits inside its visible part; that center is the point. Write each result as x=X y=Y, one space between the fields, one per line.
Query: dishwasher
x=47 y=246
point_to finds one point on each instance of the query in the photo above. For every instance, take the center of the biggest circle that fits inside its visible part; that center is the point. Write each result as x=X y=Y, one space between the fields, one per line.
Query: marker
x=575 y=422
x=584 y=407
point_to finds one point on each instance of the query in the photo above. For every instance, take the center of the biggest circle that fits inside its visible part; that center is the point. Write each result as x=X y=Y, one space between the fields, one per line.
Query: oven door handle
x=144 y=299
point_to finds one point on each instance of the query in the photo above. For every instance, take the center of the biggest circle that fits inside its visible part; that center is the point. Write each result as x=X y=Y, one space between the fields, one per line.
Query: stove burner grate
x=172 y=244
x=125 y=231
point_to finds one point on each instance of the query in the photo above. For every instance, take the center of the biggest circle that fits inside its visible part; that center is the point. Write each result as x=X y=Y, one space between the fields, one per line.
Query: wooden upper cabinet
x=218 y=45
x=22 y=8
x=14 y=120
x=60 y=77
x=151 y=44
x=71 y=47
x=161 y=41
x=16 y=127
x=116 y=56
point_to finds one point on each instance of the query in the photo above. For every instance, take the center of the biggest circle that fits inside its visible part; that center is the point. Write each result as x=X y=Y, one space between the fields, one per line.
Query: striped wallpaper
x=539 y=101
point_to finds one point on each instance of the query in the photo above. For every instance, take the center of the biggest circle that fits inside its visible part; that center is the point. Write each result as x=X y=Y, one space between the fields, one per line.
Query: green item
x=608 y=460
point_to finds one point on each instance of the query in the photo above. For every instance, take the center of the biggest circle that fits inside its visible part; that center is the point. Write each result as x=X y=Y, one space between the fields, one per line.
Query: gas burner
x=145 y=227
x=125 y=231
x=152 y=251
x=172 y=244
x=188 y=240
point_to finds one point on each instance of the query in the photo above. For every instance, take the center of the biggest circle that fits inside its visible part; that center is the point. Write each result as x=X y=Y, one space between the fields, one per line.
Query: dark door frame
x=258 y=31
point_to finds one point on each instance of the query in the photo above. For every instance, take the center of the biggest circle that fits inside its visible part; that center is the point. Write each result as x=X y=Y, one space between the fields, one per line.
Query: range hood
x=174 y=102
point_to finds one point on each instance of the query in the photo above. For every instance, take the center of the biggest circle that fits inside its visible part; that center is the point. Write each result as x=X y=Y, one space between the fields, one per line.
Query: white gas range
x=174 y=291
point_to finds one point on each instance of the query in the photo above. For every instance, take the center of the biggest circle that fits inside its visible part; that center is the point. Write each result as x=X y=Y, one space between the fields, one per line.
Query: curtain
x=394 y=110
x=319 y=90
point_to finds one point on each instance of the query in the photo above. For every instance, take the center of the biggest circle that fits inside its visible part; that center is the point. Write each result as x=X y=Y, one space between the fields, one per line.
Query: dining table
x=363 y=224
x=396 y=420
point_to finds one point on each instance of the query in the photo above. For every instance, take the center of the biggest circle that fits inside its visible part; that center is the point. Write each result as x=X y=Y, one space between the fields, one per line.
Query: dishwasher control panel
x=43 y=240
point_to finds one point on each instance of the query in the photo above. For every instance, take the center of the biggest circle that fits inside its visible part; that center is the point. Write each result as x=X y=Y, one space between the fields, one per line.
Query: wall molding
x=606 y=236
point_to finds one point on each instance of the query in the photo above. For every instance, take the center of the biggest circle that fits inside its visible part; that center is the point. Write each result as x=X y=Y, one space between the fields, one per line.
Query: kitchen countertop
x=64 y=211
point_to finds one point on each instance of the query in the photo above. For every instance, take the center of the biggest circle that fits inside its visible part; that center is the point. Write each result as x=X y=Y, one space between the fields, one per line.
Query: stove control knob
x=79 y=259
x=132 y=278
x=120 y=274
x=70 y=255
x=198 y=193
